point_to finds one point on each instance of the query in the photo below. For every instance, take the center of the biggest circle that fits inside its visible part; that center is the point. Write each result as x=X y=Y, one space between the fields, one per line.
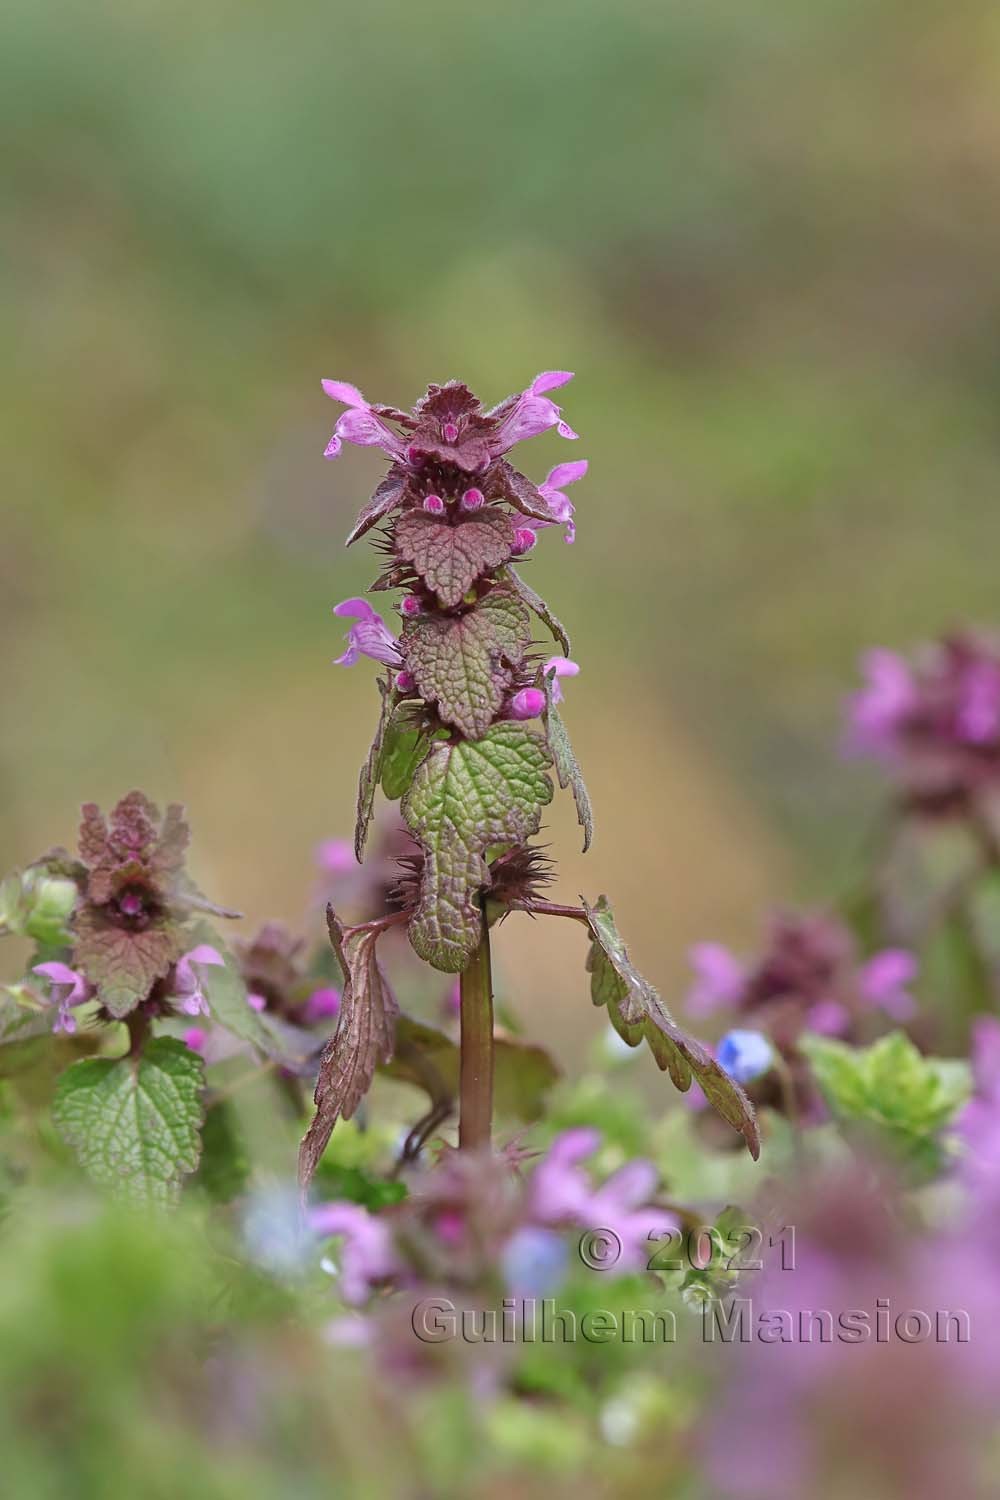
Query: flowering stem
x=476 y=1069
x=138 y=1031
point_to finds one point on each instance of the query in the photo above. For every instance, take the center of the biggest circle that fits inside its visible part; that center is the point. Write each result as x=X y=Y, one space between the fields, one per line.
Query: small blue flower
x=534 y=1261
x=745 y=1055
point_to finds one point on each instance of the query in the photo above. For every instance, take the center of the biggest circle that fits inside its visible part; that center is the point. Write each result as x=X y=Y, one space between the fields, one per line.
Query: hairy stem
x=550 y=909
x=476 y=1069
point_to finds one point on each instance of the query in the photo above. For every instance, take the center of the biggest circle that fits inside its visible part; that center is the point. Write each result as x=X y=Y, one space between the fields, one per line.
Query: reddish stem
x=476 y=1068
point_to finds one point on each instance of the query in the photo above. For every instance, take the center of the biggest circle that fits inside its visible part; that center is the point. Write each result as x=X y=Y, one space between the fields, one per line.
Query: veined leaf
x=407 y=741
x=364 y=1037
x=538 y=607
x=465 y=798
x=636 y=1012
x=387 y=496
x=123 y=965
x=450 y=556
x=458 y=660
x=134 y=1123
x=371 y=771
x=567 y=768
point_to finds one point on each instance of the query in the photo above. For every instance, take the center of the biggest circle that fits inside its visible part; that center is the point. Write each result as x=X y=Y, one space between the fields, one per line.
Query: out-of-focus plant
x=123 y=957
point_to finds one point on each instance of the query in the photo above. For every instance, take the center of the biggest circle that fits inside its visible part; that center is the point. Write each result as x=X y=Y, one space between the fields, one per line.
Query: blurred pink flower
x=67 y=988
x=188 y=981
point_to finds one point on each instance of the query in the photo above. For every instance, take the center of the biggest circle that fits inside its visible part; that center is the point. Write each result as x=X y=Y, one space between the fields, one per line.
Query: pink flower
x=560 y=1188
x=978 y=1124
x=978 y=711
x=322 y=1005
x=877 y=712
x=829 y=1018
x=197 y=1039
x=67 y=988
x=561 y=1192
x=368 y=1255
x=527 y=704
x=359 y=424
x=883 y=979
x=532 y=413
x=188 y=981
x=257 y=1002
x=369 y=637
x=719 y=979
x=551 y=489
x=336 y=857
x=562 y=667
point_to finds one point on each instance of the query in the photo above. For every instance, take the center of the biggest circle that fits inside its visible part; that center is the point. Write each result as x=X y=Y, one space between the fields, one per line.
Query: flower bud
x=472 y=499
x=524 y=539
x=405 y=682
x=433 y=505
x=450 y=432
x=410 y=606
x=527 y=704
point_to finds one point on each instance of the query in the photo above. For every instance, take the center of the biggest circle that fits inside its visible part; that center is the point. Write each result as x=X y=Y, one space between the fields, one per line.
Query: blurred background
x=766 y=238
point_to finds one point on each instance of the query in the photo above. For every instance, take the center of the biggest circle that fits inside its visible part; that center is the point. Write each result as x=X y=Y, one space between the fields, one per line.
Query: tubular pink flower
x=532 y=413
x=829 y=1018
x=359 y=424
x=551 y=489
x=561 y=1192
x=336 y=856
x=877 y=712
x=883 y=979
x=188 y=980
x=978 y=713
x=369 y=637
x=322 y=1005
x=66 y=989
x=527 y=704
x=719 y=979
x=562 y=667
x=368 y=1255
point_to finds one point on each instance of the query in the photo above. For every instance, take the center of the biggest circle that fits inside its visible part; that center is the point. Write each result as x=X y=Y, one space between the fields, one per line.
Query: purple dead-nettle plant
x=809 y=978
x=122 y=941
x=468 y=734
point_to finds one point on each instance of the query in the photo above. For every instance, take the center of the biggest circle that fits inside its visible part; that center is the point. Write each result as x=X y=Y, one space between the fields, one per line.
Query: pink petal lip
x=205 y=954
x=61 y=973
x=564 y=474
x=548 y=380
x=342 y=390
x=354 y=609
